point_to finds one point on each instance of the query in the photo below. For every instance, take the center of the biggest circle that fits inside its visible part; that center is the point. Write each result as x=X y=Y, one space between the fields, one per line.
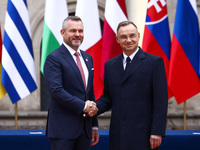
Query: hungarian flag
x=2 y=89
x=87 y=10
x=55 y=13
x=115 y=12
x=184 y=60
x=156 y=38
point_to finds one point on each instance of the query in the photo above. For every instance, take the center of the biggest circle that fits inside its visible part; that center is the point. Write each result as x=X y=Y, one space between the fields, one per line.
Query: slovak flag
x=156 y=38
x=184 y=60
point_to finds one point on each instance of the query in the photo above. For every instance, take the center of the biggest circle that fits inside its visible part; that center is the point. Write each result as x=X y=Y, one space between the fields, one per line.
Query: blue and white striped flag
x=18 y=69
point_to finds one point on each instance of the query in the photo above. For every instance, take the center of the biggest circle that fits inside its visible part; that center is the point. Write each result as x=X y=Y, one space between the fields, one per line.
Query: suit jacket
x=68 y=95
x=138 y=99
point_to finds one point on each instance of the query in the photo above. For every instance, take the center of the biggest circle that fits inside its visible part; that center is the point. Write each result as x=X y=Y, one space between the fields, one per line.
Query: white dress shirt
x=85 y=70
x=131 y=57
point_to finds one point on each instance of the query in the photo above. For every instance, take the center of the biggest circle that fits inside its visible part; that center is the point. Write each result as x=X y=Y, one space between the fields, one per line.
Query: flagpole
x=184 y=127
x=16 y=118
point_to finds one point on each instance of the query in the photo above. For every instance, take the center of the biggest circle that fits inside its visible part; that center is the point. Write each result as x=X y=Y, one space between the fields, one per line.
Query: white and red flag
x=115 y=12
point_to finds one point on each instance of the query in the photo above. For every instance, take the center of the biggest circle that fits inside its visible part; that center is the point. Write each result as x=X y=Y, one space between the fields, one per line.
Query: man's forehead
x=75 y=24
x=127 y=29
x=128 y=26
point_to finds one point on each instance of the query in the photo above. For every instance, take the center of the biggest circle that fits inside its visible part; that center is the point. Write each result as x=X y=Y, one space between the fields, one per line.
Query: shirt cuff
x=95 y=128
x=85 y=106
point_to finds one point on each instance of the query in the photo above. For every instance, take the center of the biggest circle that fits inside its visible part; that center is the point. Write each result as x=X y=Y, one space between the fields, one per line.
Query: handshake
x=91 y=109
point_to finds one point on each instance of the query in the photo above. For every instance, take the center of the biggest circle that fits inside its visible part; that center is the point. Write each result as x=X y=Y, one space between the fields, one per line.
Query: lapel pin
x=86 y=59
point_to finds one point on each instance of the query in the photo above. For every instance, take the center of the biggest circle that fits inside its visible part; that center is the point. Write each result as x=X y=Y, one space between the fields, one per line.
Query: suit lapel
x=135 y=64
x=89 y=67
x=118 y=67
x=70 y=60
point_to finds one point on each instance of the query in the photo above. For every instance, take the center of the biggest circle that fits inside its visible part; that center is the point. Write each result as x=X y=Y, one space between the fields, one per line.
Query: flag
x=18 y=69
x=115 y=12
x=87 y=10
x=2 y=89
x=156 y=39
x=55 y=13
x=184 y=58
x=137 y=10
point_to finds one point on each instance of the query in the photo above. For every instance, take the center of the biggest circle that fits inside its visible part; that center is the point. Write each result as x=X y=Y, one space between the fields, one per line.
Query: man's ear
x=117 y=39
x=62 y=32
x=139 y=35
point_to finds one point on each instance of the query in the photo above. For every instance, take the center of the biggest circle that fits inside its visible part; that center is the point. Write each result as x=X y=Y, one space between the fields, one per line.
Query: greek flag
x=18 y=69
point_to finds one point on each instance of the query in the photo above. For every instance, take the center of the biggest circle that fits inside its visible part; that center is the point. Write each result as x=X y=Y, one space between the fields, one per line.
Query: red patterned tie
x=80 y=68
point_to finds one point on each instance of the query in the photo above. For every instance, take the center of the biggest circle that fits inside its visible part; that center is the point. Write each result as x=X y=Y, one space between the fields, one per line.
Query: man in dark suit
x=135 y=88
x=68 y=74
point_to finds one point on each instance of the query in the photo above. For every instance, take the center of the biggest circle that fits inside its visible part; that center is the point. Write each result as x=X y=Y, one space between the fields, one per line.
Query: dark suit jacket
x=138 y=100
x=67 y=95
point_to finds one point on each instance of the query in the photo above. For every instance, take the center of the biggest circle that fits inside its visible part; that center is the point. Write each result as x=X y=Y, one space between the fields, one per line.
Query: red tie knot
x=76 y=54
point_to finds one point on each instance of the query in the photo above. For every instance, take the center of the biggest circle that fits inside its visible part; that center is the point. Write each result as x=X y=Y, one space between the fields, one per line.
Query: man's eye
x=123 y=37
x=132 y=35
x=72 y=30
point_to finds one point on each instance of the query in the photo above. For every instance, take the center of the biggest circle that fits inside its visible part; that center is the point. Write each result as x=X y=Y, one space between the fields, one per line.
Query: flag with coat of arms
x=156 y=38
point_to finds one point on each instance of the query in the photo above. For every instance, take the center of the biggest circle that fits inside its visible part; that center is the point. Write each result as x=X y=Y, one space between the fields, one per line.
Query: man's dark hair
x=125 y=23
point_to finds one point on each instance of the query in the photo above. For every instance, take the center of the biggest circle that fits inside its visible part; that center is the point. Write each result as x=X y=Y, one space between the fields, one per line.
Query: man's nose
x=77 y=33
x=128 y=39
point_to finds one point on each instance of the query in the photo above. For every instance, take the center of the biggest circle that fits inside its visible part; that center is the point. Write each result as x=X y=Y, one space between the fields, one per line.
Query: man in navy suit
x=68 y=74
x=135 y=88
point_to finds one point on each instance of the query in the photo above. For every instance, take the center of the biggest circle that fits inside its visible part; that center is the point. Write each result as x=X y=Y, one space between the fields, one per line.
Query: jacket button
x=123 y=101
x=124 y=84
x=123 y=118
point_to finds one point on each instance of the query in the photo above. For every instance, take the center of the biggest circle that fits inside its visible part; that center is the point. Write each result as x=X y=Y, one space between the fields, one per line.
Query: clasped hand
x=91 y=108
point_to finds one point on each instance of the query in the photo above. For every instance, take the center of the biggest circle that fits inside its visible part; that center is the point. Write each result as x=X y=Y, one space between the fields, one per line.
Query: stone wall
x=37 y=120
x=32 y=102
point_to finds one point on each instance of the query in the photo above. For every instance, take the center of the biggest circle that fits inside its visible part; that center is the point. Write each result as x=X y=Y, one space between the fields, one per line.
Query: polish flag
x=87 y=10
x=115 y=12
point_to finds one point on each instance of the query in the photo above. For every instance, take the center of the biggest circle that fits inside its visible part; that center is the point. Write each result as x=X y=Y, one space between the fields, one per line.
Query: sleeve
x=54 y=78
x=92 y=97
x=104 y=103
x=160 y=99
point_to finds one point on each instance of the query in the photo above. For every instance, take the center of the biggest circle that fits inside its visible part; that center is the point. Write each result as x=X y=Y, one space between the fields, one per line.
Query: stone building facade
x=32 y=104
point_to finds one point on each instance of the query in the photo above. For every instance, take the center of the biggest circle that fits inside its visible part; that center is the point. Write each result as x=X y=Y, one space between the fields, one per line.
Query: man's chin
x=130 y=49
x=76 y=43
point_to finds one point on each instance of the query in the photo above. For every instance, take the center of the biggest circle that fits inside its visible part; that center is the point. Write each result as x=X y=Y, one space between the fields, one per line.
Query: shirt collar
x=71 y=50
x=131 y=56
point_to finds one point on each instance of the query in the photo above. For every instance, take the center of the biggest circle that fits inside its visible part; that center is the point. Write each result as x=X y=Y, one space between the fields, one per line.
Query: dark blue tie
x=128 y=61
